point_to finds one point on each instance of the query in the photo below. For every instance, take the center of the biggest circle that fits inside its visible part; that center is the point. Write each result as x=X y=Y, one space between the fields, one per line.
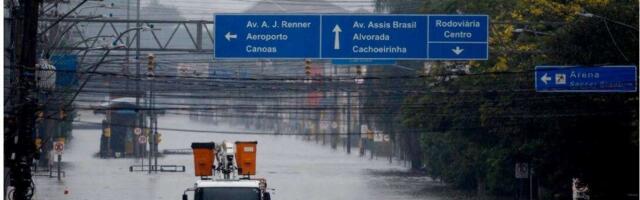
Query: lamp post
x=522 y=30
x=111 y=5
x=61 y=35
x=77 y=13
x=75 y=45
x=591 y=15
x=91 y=70
x=88 y=39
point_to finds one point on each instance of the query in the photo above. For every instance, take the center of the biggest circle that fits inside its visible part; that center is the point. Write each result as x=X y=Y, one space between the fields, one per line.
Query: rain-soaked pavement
x=297 y=169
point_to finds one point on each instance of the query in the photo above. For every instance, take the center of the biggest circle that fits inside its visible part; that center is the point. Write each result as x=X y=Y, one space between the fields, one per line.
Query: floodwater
x=295 y=168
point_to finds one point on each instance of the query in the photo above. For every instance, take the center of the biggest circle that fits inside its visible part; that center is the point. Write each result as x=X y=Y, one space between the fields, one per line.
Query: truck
x=226 y=171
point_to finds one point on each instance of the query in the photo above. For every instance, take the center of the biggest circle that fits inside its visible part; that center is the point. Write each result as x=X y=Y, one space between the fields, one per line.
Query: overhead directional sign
x=336 y=36
x=267 y=36
x=374 y=36
x=458 y=37
x=586 y=79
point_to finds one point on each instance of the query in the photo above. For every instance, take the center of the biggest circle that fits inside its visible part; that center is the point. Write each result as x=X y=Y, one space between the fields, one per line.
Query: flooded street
x=321 y=100
x=295 y=168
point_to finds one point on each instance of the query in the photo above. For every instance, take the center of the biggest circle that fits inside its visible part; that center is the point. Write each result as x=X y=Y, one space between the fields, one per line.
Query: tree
x=476 y=127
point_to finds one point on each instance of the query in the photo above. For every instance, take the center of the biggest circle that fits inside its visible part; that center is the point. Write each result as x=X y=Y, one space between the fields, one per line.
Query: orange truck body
x=203 y=157
x=246 y=157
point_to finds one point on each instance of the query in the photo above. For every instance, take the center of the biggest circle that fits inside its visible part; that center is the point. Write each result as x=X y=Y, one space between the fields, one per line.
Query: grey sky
x=203 y=9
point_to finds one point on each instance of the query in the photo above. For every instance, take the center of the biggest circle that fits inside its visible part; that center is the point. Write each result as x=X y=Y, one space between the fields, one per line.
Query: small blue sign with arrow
x=586 y=79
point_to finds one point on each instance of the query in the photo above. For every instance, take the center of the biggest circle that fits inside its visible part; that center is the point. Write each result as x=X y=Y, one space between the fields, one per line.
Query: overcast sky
x=203 y=9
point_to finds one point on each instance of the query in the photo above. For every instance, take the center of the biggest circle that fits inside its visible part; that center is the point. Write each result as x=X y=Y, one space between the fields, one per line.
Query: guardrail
x=157 y=168
x=177 y=151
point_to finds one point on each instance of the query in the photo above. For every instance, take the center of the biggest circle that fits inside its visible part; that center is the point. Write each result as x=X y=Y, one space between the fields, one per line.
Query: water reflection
x=322 y=120
x=328 y=151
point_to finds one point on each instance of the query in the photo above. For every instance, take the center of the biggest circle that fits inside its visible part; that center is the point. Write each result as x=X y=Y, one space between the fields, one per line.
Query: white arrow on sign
x=545 y=78
x=229 y=36
x=457 y=50
x=336 y=41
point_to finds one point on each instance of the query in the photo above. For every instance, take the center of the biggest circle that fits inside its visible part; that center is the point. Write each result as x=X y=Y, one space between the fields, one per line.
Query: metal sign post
x=58 y=148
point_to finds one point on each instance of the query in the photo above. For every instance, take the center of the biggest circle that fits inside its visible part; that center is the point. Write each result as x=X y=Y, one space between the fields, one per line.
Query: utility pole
x=348 y=122
x=153 y=123
x=140 y=113
x=126 y=68
x=21 y=122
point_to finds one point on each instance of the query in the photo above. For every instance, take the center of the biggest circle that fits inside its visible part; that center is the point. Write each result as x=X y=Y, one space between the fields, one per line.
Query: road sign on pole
x=142 y=139
x=137 y=131
x=338 y=36
x=58 y=147
x=586 y=79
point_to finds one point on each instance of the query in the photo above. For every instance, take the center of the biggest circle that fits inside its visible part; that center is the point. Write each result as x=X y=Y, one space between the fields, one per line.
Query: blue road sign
x=66 y=65
x=267 y=36
x=458 y=37
x=458 y=51
x=362 y=62
x=336 y=36
x=586 y=79
x=374 y=36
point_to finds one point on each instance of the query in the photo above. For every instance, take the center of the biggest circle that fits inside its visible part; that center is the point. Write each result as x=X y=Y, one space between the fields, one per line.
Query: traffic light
x=152 y=62
x=38 y=143
x=106 y=132
x=360 y=70
x=62 y=114
x=307 y=67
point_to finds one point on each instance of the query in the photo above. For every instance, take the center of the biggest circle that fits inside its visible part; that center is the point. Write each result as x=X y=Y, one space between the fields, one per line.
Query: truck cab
x=230 y=189
x=226 y=172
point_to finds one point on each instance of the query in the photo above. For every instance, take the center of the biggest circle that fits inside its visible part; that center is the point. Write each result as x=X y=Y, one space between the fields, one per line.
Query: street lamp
x=89 y=39
x=75 y=45
x=116 y=44
x=142 y=28
x=61 y=36
x=91 y=70
x=108 y=6
x=591 y=15
x=522 y=30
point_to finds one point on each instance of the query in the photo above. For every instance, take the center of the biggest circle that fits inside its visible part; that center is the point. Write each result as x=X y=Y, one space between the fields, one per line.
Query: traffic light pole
x=153 y=122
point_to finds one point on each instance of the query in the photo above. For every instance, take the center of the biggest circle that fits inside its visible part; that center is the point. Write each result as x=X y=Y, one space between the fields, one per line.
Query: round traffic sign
x=58 y=147
x=137 y=131
x=142 y=139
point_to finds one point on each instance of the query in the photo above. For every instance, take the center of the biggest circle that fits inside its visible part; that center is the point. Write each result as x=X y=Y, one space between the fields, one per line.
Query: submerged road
x=297 y=169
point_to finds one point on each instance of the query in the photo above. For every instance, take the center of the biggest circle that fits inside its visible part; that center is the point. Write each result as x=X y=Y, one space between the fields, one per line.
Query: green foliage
x=476 y=127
